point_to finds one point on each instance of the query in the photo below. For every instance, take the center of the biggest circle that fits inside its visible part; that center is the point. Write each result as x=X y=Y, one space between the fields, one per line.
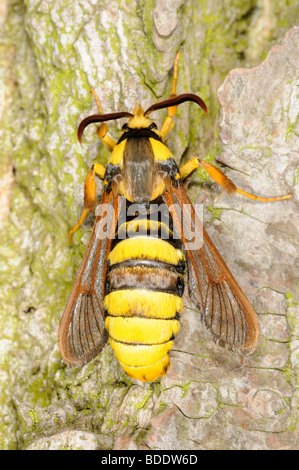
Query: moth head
x=139 y=119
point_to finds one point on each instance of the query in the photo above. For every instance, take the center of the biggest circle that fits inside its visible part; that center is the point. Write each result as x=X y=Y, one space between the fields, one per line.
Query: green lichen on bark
x=52 y=53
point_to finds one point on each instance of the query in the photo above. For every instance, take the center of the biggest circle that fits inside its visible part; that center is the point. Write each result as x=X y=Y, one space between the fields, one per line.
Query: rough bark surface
x=51 y=53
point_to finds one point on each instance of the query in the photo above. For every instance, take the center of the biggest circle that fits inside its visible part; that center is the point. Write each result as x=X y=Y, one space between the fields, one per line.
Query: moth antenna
x=176 y=101
x=99 y=118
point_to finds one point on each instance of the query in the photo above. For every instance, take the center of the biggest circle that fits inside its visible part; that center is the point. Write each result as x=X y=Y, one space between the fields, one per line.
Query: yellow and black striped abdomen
x=143 y=300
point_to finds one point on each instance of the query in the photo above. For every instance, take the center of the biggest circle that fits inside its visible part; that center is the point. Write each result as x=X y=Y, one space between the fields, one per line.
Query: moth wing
x=82 y=333
x=225 y=310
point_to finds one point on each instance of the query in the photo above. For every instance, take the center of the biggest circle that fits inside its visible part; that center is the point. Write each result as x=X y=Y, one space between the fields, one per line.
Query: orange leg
x=168 y=123
x=223 y=181
x=103 y=129
x=90 y=200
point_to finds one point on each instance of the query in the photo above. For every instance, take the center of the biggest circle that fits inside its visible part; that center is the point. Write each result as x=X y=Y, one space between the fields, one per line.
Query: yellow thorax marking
x=161 y=152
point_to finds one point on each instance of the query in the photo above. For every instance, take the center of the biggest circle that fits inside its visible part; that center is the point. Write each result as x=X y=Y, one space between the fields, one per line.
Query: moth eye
x=125 y=127
x=153 y=125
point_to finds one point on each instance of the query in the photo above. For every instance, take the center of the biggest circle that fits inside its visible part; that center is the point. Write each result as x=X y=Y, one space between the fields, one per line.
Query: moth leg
x=188 y=167
x=103 y=129
x=99 y=170
x=213 y=171
x=231 y=188
x=168 y=124
x=90 y=200
x=223 y=181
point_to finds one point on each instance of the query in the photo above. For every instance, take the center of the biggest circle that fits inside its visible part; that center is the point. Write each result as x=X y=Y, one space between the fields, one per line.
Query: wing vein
x=81 y=332
x=225 y=309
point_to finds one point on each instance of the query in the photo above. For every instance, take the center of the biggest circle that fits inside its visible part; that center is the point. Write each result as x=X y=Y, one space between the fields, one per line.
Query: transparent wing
x=225 y=310
x=82 y=333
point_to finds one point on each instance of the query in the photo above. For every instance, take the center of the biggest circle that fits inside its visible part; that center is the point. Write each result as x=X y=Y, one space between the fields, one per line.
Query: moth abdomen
x=143 y=300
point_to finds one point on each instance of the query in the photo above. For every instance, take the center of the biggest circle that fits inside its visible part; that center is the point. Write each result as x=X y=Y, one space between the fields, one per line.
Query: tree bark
x=51 y=54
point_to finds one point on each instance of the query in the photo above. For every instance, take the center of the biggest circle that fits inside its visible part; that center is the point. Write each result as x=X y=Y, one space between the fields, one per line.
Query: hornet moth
x=130 y=284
